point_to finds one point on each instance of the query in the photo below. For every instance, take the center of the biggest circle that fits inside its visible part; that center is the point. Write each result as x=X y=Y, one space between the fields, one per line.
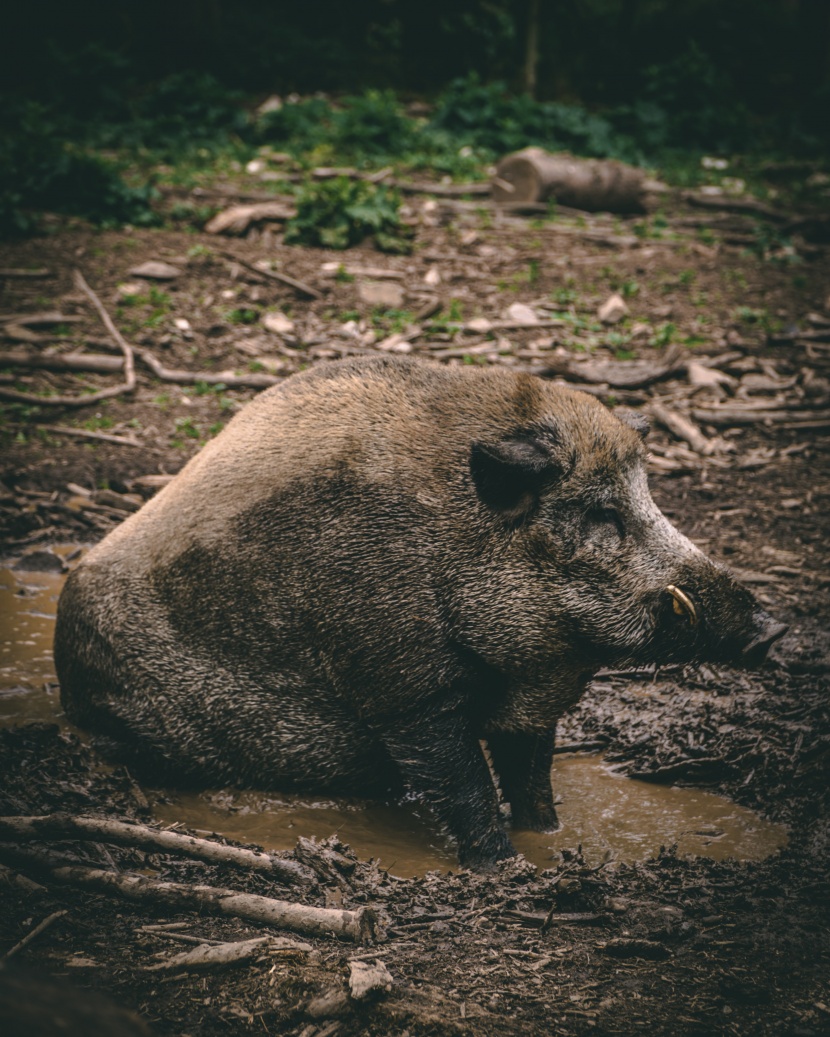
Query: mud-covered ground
x=667 y=946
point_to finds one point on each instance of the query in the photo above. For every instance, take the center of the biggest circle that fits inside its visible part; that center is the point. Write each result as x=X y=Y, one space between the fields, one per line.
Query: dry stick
x=105 y=437
x=127 y=386
x=15 y=272
x=358 y=925
x=725 y=416
x=97 y=362
x=681 y=427
x=38 y=929
x=120 y=833
x=275 y=275
x=226 y=378
x=102 y=364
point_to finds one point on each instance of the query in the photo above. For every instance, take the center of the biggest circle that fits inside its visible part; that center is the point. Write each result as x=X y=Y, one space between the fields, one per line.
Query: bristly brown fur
x=376 y=564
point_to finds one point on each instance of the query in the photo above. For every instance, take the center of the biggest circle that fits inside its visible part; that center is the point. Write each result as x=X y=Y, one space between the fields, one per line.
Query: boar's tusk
x=683 y=604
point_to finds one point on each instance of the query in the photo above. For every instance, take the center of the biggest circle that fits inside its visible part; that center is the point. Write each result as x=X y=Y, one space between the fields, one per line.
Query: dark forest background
x=635 y=79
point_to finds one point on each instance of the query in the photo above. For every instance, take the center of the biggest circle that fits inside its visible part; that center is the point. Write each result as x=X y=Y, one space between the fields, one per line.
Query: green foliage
x=39 y=171
x=370 y=125
x=341 y=212
x=486 y=115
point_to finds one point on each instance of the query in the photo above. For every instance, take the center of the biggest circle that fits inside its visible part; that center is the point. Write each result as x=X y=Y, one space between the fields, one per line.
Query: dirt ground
x=668 y=946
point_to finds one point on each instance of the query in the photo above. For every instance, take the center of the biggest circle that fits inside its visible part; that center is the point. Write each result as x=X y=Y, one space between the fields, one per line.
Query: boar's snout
x=768 y=631
x=709 y=615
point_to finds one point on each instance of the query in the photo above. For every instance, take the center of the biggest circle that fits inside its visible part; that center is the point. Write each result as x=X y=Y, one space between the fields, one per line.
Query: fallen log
x=121 y=833
x=535 y=175
x=359 y=925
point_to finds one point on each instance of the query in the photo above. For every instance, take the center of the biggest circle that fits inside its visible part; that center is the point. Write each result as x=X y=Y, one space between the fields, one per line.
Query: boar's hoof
x=535 y=818
x=683 y=604
x=756 y=651
x=485 y=854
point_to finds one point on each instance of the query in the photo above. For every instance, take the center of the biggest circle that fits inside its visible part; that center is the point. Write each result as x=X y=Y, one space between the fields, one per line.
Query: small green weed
x=242 y=315
x=663 y=336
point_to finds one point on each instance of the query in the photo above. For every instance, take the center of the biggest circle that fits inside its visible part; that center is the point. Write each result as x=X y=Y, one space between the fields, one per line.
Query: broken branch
x=120 y=833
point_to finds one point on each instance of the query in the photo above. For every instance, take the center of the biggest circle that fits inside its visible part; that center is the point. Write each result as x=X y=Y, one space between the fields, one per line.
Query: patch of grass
x=97 y=423
x=187 y=427
x=394 y=321
x=564 y=296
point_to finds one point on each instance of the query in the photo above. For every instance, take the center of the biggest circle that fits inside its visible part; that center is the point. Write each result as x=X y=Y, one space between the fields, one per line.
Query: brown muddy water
x=606 y=812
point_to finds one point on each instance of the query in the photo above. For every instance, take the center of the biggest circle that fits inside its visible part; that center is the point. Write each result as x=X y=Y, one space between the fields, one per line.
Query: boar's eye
x=607 y=518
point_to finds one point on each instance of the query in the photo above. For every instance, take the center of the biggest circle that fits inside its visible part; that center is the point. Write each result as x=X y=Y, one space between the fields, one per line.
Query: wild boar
x=376 y=565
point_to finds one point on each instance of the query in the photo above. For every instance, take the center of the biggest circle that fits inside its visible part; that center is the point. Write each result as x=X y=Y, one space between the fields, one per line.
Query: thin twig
x=38 y=929
x=275 y=275
x=127 y=386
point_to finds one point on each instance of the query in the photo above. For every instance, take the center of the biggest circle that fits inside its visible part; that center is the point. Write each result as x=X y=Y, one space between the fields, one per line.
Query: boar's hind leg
x=523 y=764
x=441 y=761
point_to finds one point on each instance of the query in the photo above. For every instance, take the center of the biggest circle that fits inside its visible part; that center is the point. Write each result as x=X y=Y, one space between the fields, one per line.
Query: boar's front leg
x=441 y=760
x=523 y=764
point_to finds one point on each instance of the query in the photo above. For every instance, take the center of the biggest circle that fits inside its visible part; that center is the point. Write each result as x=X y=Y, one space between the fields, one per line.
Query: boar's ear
x=509 y=475
x=634 y=419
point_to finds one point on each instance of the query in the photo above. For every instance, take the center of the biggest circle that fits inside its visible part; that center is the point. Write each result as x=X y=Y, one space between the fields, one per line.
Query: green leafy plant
x=339 y=213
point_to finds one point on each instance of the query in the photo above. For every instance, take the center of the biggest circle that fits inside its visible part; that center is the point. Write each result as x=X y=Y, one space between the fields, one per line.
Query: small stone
x=278 y=323
x=128 y=291
x=381 y=293
x=366 y=978
x=480 y=325
x=40 y=562
x=706 y=377
x=432 y=277
x=520 y=313
x=613 y=309
x=155 y=270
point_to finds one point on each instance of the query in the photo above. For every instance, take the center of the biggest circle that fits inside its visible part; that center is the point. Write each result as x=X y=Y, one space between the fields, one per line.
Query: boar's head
x=614 y=582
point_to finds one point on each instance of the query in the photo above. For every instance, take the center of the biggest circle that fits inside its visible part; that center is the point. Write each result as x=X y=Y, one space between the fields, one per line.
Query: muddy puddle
x=604 y=811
